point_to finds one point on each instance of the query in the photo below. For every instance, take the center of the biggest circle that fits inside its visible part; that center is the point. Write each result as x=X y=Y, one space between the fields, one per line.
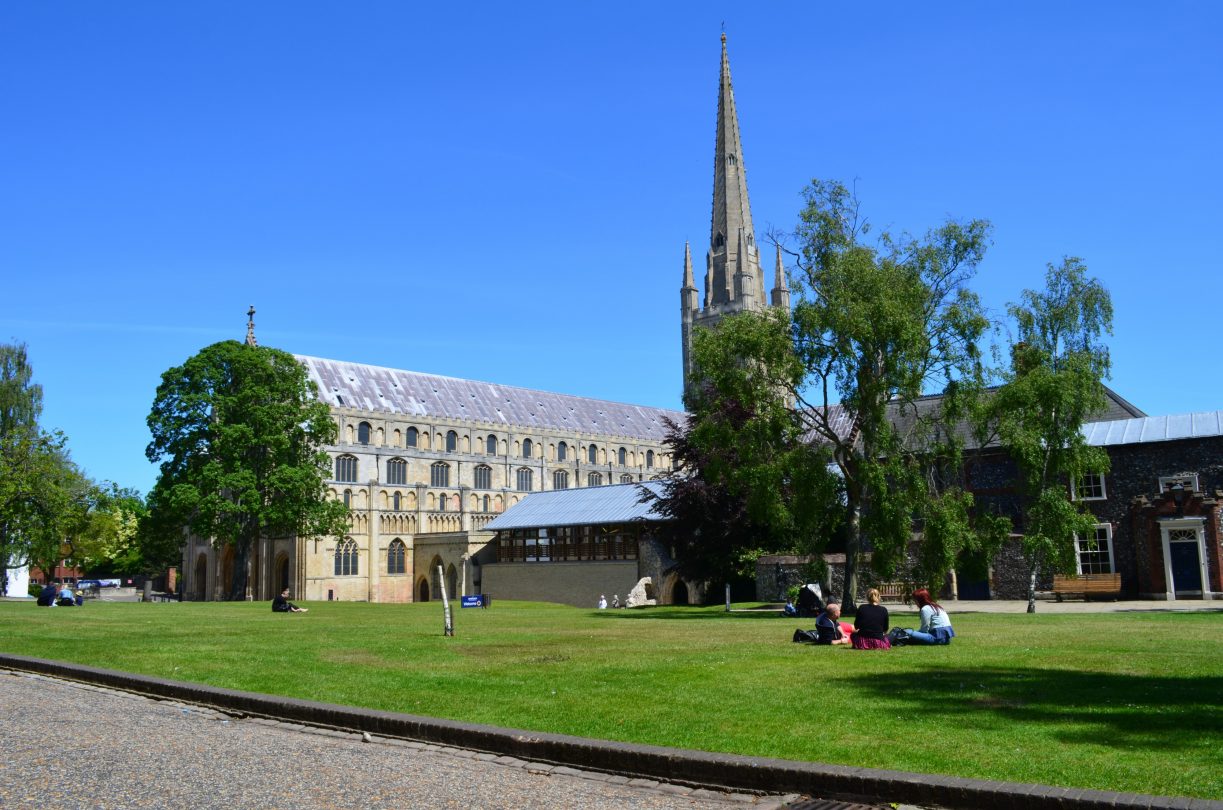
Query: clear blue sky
x=502 y=192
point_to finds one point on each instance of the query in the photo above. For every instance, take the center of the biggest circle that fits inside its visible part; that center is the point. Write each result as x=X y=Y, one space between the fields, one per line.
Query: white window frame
x=1108 y=538
x=1074 y=487
x=1189 y=479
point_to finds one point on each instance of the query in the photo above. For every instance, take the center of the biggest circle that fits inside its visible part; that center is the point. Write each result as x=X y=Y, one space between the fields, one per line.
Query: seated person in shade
x=281 y=604
x=828 y=627
x=935 y=623
x=871 y=624
x=66 y=597
x=46 y=597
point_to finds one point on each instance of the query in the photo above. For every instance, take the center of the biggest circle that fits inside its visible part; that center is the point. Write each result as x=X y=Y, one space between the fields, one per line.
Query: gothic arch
x=422 y=589
x=200 y=585
x=281 y=570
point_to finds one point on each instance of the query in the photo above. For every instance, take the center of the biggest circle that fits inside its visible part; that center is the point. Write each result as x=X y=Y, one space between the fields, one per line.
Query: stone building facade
x=424 y=462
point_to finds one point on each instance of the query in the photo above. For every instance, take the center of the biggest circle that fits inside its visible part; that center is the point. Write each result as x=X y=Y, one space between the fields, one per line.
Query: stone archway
x=422 y=590
x=679 y=592
x=282 y=573
x=200 y=583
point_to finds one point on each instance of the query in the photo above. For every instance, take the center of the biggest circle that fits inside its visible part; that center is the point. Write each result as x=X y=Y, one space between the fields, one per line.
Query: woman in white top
x=935 y=623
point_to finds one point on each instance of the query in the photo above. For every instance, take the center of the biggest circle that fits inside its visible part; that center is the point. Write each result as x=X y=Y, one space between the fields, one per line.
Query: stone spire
x=781 y=291
x=731 y=224
x=733 y=281
x=688 y=293
x=250 y=327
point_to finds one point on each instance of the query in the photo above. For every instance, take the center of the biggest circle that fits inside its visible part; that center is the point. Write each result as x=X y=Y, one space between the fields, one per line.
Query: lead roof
x=377 y=389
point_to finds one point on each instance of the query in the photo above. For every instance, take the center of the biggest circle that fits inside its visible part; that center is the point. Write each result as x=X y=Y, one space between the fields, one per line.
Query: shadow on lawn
x=1097 y=708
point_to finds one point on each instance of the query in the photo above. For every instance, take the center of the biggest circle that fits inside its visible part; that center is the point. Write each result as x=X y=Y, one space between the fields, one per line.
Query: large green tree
x=238 y=430
x=746 y=483
x=1055 y=383
x=879 y=323
x=36 y=476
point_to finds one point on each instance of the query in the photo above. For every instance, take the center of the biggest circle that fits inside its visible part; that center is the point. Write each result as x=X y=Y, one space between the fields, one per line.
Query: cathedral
x=426 y=462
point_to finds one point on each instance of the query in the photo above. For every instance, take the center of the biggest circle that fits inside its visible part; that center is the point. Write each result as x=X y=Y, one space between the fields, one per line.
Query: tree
x=238 y=430
x=878 y=324
x=1055 y=382
x=28 y=461
x=104 y=536
x=745 y=482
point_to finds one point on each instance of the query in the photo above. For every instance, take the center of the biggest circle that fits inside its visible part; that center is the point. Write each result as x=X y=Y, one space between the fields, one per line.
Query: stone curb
x=694 y=768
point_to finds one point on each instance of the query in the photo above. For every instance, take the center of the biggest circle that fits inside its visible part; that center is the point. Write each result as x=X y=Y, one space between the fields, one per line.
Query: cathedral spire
x=732 y=212
x=781 y=291
x=250 y=327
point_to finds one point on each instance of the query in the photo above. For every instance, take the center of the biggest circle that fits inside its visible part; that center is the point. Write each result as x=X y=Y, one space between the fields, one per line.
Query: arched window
x=594 y=480
x=486 y=502
x=527 y=448
x=411 y=437
x=562 y=450
x=452 y=441
x=397 y=471
x=592 y=454
x=441 y=503
x=622 y=457
x=626 y=479
x=649 y=459
x=525 y=479
x=346 y=558
x=396 y=502
x=439 y=475
x=363 y=433
x=346 y=469
x=490 y=445
x=348 y=497
x=396 y=557
x=483 y=477
x=560 y=480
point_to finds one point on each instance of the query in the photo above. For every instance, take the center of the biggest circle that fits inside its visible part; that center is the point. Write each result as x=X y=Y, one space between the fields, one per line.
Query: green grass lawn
x=1122 y=701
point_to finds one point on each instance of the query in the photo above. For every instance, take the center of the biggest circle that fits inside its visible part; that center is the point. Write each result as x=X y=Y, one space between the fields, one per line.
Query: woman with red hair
x=935 y=623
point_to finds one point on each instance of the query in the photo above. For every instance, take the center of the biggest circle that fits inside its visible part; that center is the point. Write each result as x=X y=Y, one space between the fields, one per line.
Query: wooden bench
x=892 y=591
x=1088 y=585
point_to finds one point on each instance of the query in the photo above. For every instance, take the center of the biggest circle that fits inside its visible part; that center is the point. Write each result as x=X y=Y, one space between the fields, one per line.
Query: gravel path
x=71 y=745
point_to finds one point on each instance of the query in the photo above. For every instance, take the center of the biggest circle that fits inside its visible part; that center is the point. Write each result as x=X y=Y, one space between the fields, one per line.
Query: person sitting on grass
x=281 y=604
x=66 y=597
x=871 y=624
x=828 y=627
x=46 y=597
x=935 y=623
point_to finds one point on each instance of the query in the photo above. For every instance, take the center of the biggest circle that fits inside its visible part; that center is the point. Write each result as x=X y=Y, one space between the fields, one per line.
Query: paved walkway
x=1076 y=606
x=73 y=745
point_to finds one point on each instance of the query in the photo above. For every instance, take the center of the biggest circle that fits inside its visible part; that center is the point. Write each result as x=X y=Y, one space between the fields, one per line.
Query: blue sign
x=472 y=601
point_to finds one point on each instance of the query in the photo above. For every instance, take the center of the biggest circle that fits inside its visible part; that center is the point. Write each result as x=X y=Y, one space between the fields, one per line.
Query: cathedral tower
x=733 y=280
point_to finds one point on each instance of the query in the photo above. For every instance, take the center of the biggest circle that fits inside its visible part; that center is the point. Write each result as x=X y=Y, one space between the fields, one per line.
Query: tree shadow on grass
x=1122 y=711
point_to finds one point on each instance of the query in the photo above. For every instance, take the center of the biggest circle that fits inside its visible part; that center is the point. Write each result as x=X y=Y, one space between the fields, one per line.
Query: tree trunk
x=237 y=586
x=1032 y=587
x=853 y=543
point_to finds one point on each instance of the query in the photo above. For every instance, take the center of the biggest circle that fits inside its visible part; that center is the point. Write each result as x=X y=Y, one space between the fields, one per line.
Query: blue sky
x=503 y=193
